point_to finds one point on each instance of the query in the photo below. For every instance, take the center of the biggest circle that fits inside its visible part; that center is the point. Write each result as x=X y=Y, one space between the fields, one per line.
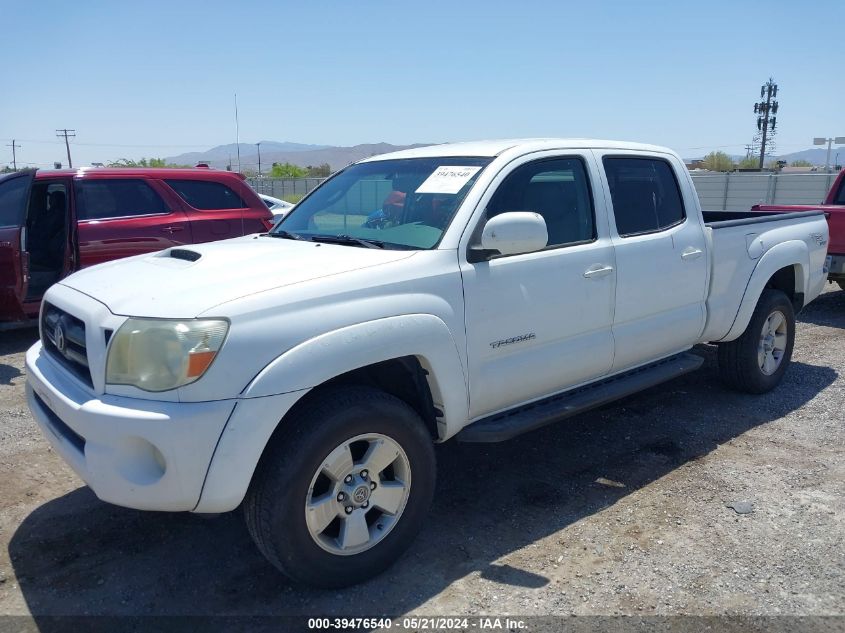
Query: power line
x=67 y=133
x=13 y=145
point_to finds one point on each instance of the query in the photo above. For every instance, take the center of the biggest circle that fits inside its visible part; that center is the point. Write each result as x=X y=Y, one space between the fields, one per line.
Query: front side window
x=402 y=203
x=206 y=195
x=116 y=198
x=645 y=195
x=558 y=190
x=13 y=200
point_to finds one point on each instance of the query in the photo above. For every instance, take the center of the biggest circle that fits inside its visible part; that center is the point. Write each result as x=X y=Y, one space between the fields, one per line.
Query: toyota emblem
x=59 y=338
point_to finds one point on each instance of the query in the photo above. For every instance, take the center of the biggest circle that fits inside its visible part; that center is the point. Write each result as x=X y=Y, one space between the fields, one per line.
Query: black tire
x=275 y=503
x=738 y=362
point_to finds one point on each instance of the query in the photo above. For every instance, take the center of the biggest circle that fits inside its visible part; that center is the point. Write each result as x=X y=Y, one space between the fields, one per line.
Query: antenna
x=237 y=133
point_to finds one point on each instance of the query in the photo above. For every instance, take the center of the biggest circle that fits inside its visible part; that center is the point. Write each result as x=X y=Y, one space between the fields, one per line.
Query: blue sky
x=157 y=78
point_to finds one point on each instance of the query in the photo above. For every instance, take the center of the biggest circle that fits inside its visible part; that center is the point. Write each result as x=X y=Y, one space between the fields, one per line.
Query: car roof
x=493 y=148
x=199 y=173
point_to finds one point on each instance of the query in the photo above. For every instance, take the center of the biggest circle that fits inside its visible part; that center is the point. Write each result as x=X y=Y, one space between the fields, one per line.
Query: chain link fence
x=285 y=188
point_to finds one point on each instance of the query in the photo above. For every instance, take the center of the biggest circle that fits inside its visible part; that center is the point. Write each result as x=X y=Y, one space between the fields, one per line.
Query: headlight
x=158 y=354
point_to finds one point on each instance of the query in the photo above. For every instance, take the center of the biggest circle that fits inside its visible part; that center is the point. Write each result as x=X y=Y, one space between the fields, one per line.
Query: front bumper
x=143 y=454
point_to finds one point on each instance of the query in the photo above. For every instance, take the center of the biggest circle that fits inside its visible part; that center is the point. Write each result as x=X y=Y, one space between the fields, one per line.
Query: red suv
x=55 y=222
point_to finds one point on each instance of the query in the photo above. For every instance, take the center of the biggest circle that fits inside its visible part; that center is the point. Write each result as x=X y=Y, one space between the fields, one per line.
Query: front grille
x=63 y=338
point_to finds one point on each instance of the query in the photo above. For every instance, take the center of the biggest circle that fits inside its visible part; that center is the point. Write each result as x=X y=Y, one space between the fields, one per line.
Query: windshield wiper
x=347 y=239
x=286 y=235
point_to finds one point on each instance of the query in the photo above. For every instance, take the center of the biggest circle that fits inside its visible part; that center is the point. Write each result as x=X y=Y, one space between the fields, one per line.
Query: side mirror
x=512 y=233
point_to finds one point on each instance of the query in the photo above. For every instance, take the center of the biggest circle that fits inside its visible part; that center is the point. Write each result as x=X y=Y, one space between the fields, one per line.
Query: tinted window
x=556 y=189
x=99 y=199
x=840 y=196
x=12 y=200
x=645 y=195
x=206 y=195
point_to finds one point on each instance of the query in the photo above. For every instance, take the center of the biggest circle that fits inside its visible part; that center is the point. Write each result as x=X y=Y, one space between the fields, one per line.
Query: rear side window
x=12 y=201
x=206 y=195
x=645 y=195
x=118 y=198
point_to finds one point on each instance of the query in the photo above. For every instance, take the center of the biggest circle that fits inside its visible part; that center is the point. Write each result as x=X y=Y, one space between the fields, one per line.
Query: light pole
x=258 y=145
x=839 y=140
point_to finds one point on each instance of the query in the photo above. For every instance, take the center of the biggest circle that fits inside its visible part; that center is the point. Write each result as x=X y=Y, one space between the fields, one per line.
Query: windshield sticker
x=447 y=179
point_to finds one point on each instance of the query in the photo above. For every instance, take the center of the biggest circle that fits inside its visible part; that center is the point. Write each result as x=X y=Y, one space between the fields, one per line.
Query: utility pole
x=258 y=145
x=14 y=157
x=67 y=133
x=765 y=124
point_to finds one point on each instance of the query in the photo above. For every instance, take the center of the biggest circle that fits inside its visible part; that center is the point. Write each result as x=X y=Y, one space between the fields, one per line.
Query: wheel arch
x=412 y=357
x=784 y=267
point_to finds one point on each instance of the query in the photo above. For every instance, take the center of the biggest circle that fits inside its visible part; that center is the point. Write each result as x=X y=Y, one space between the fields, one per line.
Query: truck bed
x=739 y=240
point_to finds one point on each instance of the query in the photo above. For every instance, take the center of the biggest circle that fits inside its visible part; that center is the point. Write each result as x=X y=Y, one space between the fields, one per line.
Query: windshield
x=405 y=203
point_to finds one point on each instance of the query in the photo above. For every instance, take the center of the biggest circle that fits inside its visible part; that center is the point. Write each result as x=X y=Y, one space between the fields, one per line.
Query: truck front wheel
x=344 y=488
x=757 y=360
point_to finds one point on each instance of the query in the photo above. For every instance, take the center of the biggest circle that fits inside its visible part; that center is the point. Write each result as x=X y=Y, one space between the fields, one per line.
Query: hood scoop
x=184 y=253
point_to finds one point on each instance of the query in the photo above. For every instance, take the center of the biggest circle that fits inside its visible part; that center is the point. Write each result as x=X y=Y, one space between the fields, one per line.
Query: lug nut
x=366 y=504
x=364 y=474
x=341 y=496
x=348 y=509
x=348 y=479
x=372 y=485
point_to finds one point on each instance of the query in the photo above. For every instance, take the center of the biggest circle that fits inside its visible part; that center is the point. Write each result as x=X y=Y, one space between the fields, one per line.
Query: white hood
x=160 y=285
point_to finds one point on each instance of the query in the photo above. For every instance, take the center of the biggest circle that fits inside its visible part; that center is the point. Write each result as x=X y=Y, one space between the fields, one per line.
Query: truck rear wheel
x=344 y=489
x=757 y=360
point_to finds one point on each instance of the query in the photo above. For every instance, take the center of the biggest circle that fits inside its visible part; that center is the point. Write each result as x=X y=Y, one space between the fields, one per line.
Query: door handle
x=172 y=229
x=691 y=253
x=598 y=270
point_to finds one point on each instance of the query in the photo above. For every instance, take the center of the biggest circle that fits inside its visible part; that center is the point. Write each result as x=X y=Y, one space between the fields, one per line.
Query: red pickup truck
x=834 y=205
x=53 y=223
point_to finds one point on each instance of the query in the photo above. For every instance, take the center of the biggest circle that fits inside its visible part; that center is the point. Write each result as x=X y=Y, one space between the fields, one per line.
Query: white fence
x=738 y=191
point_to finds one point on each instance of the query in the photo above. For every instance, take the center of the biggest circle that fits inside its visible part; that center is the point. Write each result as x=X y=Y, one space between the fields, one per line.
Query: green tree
x=749 y=162
x=718 y=161
x=323 y=171
x=800 y=163
x=287 y=170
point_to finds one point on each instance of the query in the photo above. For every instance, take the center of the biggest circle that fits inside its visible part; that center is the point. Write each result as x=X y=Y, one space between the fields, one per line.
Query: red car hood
x=835 y=220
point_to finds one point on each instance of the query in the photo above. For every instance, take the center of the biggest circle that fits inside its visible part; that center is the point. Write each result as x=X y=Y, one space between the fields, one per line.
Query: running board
x=504 y=426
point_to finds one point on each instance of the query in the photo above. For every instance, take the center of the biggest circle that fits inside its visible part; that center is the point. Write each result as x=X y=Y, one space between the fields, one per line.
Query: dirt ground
x=620 y=511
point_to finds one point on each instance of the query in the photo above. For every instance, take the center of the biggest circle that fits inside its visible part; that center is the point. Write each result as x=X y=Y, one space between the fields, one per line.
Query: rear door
x=124 y=216
x=217 y=211
x=14 y=264
x=661 y=258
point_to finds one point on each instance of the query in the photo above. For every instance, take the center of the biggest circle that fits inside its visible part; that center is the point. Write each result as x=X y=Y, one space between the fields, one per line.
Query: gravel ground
x=620 y=511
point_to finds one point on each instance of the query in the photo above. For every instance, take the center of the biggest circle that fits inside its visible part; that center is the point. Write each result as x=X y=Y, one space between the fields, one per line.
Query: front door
x=538 y=323
x=14 y=263
x=661 y=260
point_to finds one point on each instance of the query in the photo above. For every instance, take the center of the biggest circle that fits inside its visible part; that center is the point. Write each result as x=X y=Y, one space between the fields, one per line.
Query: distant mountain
x=284 y=152
x=815 y=155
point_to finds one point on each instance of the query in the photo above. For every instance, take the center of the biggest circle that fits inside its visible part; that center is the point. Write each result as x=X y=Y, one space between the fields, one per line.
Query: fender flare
x=793 y=253
x=425 y=336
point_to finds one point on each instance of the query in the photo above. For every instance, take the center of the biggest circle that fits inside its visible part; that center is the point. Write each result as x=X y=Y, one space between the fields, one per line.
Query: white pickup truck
x=472 y=291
